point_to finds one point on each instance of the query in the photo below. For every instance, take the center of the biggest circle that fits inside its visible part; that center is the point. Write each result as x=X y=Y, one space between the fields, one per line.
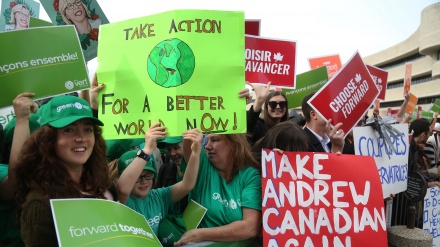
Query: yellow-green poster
x=182 y=68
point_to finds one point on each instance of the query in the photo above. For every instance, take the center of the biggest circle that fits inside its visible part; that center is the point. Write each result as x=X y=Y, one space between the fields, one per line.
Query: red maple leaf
x=12 y=4
x=94 y=17
x=94 y=34
x=56 y=4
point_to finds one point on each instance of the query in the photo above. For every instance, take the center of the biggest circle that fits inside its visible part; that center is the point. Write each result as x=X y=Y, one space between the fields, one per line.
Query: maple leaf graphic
x=379 y=80
x=278 y=57
x=358 y=78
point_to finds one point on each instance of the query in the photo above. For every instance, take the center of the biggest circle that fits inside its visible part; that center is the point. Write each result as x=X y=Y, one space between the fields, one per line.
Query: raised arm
x=402 y=110
x=434 y=120
x=182 y=188
x=128 y=178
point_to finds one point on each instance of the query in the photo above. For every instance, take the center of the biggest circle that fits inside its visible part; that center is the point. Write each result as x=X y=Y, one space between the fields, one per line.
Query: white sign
x=6 y=115
x=431 y=214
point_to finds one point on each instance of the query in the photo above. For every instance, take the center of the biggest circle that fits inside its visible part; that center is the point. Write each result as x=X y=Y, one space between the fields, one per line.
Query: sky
x=320 y=27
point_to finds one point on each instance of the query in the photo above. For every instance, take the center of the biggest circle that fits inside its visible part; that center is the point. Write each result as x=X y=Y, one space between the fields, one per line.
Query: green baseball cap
x=129 y=156
x=115 y=148
x=169 y=140
x=9 y=128
x=63 y=110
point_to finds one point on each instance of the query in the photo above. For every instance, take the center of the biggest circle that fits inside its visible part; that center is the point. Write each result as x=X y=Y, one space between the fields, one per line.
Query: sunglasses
x=282 y=104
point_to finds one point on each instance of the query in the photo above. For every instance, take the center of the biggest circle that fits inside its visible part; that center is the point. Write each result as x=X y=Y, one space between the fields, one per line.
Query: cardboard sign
x=252 y=27
x=270 y=60
x=100 y=223
x=51 y=69
x=380 y=78
x=87 y=28
x=407 y=80
x=165 y=68
x=412 y=103
x=313 y=199
x=332 y=63
x=391 y=166
x=307 y=82
x=347 y=96
x=435 y=107
x=15 y=14
x=431 y=216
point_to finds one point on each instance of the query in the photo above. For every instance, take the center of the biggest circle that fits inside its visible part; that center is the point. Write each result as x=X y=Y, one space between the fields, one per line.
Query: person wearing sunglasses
x=138 y=174
x=275 y=111
x=74 y=12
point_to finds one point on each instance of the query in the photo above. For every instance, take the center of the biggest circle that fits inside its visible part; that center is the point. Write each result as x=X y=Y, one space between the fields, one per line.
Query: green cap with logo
x=169 y=140
x=63 y=110
x=129 y=156
x=9 y=128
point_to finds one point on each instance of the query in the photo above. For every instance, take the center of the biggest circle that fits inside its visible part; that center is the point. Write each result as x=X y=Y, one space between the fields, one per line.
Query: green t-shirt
x=5 y=206
x=154 y=206
x=225 y=201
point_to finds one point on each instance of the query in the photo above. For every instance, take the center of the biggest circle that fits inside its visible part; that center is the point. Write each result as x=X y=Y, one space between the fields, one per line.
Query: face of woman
x=217 y=150
x=75 y=11
x=22 y=19
x=75 y=143
x=143 y=184
x=275 y=108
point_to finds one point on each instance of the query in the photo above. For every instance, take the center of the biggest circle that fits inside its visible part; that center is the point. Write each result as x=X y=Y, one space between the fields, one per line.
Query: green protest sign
x=310 y=81
x=181 y=68
x=98 y=222
x=15 y=14
x=428 y=115
x=193 y=214
x=435 y=106
x=52 y=65
x=35 y=22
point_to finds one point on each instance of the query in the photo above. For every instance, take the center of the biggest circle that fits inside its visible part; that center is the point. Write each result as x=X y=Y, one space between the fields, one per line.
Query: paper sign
x=347 y=96
x=193 y=215
x=431 y=216
x=86 y=17
x=313 y=199
x=427 y=114
x=332 y=63
x=6 y=115
x=15 y=14
x=380 y=78
x=412 y=103
x=392 y=169
x=51 y=69
x=307 y=82
x=100 y=223
x=435 y=106
x=407 y=80
x=252 y=27
x=172 y=70
x=270 y=60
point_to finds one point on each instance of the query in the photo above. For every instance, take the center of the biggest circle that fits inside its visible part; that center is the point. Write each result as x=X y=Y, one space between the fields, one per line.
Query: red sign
x=419 y=112
x=252 y=27
x=332 y=62
x=347 y=96
x=392 y=112
x=270 y=60
x=407 y=80
x=313 y=199
x=380 y=77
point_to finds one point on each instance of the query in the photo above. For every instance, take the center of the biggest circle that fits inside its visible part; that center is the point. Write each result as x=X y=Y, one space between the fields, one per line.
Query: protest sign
x=321 y=199
x=347 y=96
x=99 y=222
x=427 y=114
x=35 y=22
x=392 y=112
x=392 y=166
x=431 y=216
x=6 y=115
x=331 y=62
x=15 y=14
x=193 y=215
x=63 y=12
x=252 y=27
x=270 y=60
x=307 y=82
x=407 y=78
x=168 y=68
x=435 y=107
x=412 y=103
x=380 y=78
x=51 y=69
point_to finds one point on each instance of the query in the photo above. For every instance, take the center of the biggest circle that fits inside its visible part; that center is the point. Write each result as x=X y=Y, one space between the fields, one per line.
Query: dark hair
x=305 y=107
x=268 y=120
x=419 y=126
x=39 y=169
x=287 y=136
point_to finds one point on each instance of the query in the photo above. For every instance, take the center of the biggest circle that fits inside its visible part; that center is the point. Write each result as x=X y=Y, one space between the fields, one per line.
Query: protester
x=432 y=148
x=64 y=158
x=136 y=181
x=229 y=186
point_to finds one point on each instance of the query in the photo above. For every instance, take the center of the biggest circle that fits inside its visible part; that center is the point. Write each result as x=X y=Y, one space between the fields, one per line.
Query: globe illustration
x=171 y=63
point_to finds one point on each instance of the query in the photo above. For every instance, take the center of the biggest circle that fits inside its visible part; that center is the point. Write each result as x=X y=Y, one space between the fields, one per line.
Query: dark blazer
x=314 y=143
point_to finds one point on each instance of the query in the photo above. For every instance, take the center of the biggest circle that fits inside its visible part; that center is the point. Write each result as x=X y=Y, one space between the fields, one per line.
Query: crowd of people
x=57 y=151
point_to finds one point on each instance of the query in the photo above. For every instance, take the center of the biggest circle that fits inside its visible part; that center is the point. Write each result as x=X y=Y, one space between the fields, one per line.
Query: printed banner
x=252 y=27
x=380 y=78
x=310 y=81
x=347 y=96
x=270 y=60
x=169 y=68
x=407 y=80
x=15 y=14
x=51 y=69
x=412 y=104
x=100 y=223
x=331 y=62
x=435 y=107
x=431 y=216
x=85 y=15
x=392 y=166
x=313 y=199
x=6 y=115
